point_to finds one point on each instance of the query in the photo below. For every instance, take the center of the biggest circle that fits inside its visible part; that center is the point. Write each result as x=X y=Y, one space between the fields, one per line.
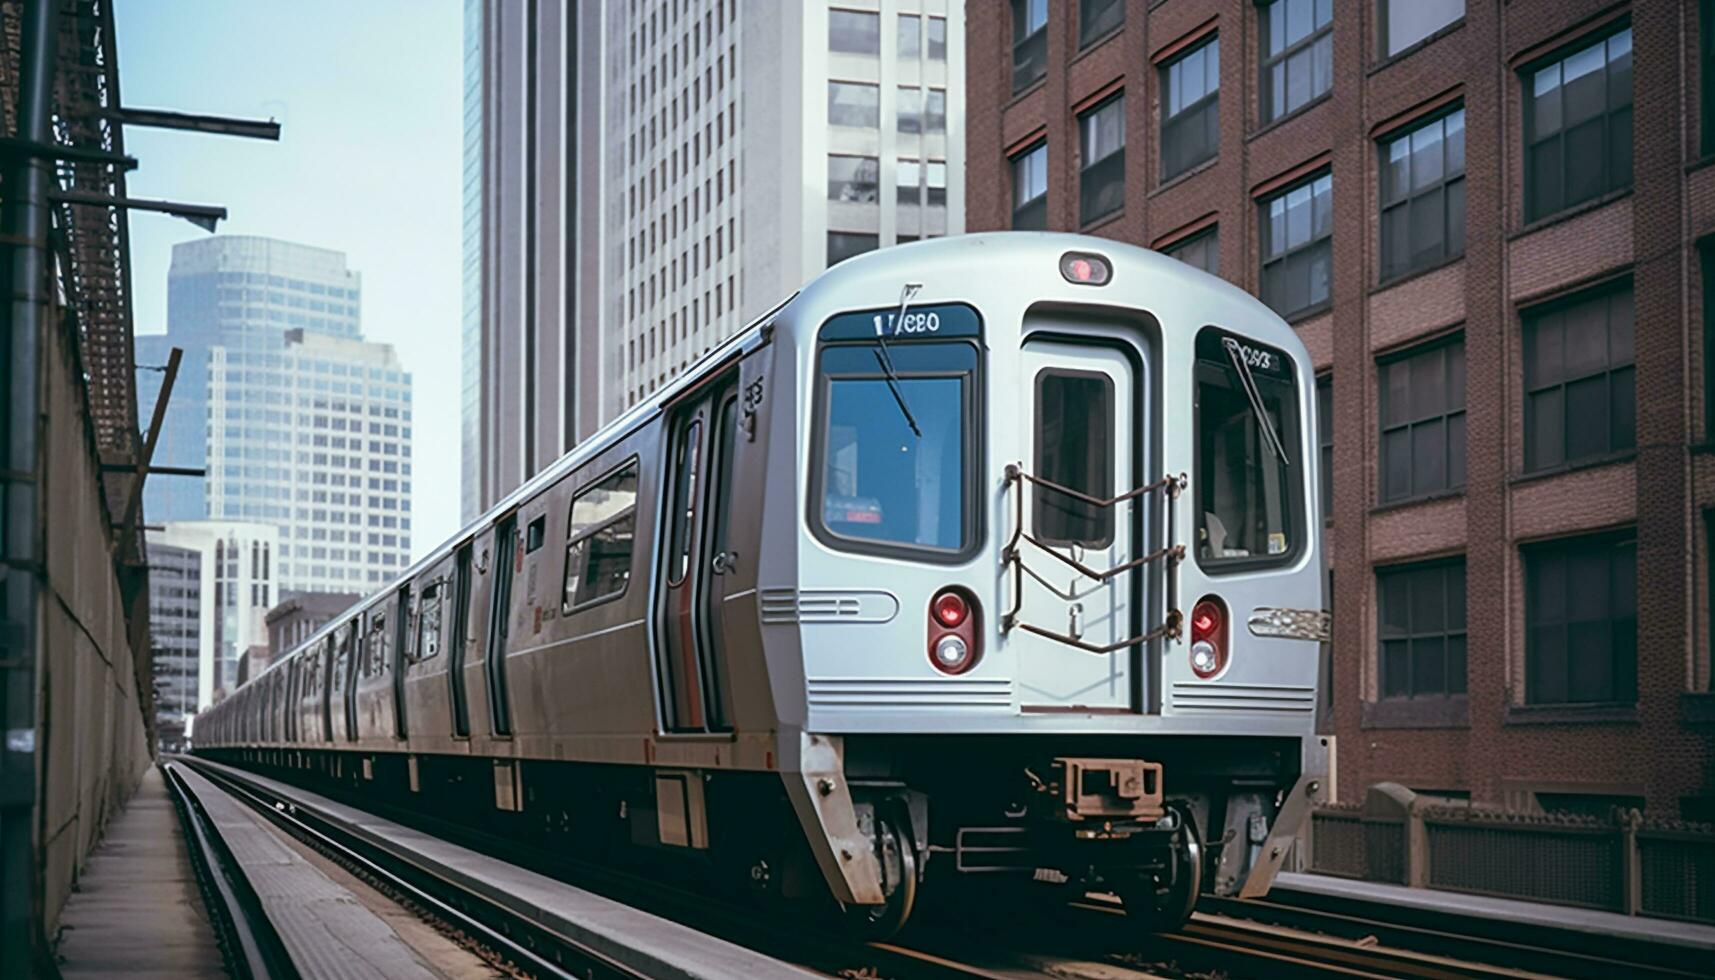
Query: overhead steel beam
x=122 y=541
x=11 y=145
x=202 y=215
x=219 y=125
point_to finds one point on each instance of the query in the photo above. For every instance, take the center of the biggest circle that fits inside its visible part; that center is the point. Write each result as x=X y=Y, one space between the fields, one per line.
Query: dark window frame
x=1209 y=239
x=1174 y=124
x=1620 y=546
x=1402 y=266
x=630 y=513
x=1535 y=208
x=1447 y=415
x=1268 y=61
x=1325 y=441
x=1029 y=47
x=1104 y=470
x=974 y=421
x=1091 y=30
x=1614 y=373
x=1036 y=208
x=1109 y=168
x=1310 y=245
x=1453 y=682
x=1382 y=14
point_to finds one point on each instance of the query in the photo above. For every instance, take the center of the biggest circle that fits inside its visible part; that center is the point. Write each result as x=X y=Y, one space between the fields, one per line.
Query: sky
x=368 y=94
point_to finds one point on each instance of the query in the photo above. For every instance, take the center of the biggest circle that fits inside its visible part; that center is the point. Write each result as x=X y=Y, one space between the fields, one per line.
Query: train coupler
x=1105 y=790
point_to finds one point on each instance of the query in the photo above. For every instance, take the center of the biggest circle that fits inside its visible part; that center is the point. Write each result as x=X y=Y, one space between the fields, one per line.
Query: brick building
x=1493 y=242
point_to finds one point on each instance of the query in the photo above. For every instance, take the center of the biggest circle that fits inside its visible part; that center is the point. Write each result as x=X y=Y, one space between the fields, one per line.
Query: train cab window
x=881 y=485
x=599 y=538
x=375 y=663
x=1248 y=491
x=1074 y=449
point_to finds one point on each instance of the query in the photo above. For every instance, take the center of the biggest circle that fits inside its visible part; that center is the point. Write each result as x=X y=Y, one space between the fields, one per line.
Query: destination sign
x=1260 y=358
x=919 y=323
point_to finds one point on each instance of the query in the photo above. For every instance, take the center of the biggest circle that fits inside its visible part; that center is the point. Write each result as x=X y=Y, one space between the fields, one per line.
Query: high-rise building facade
x=736 y=148
x=297 y=421
x=233 y=583
x=1490 y=224
x=175 y=630
x=751 y=145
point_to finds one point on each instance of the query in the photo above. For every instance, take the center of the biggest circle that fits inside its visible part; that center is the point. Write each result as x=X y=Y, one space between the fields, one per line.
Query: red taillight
x=954 y=646
x=950 y=609
x=1208 y=637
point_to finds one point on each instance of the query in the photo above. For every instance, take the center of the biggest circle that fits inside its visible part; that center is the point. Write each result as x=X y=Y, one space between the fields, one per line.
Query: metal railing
x=1012 y=557
x=1622 y=863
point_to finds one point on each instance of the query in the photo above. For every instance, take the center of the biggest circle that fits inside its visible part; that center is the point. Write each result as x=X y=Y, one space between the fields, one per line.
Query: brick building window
x=1297 y=226
x=1190 y=108
x=1325 y=440
x=853 y=179
x=1402 y=23
x=1578 y=126
x=1423 y=421
x=1029 y=42
x=1030 y=189
x=1297 y=44
x=1098 y=17
x=1102 y=182
x=1579 y=401
x=842 y=245
x=1202 y=251
x=854 y=32
x=1706 y=73
x=1581 y=620
x=1423 y=195
x=1420 y=619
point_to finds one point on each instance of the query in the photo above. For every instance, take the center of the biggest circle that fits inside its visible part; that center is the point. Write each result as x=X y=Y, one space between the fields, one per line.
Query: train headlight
x=1208 y=637
x=951 y=652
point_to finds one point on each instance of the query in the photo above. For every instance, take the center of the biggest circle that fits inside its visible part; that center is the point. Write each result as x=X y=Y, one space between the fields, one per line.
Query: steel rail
x=247 y=939
x=526 y=943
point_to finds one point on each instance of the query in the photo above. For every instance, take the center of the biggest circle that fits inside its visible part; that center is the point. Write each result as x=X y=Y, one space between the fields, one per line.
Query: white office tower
x=233 y=588
x=749 y=145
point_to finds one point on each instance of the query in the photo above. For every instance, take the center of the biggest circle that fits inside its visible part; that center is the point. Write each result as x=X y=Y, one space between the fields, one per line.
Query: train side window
x=600 y=534
x=375 y=664
x=429 y=620
x=1074 y=450
x=685 y=461
x=534 y=534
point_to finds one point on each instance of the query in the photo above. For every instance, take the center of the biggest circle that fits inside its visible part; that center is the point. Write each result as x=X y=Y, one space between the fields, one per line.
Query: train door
x=507 y=558
x=1078 y=602
x=350 y=655
x=690 y=664
x=461 y=626
x=324 y=699
x=404 y=612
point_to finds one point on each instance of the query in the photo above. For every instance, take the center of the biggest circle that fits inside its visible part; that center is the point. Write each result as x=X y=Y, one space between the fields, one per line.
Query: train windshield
x=879 y=483
x=1247 y=492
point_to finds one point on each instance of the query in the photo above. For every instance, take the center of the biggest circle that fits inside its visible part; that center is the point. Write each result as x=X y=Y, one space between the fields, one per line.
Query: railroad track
x=508 y=936
x=1095 y=941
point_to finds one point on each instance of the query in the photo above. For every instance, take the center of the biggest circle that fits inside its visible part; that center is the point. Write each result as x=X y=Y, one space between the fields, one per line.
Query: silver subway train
x=986 y=561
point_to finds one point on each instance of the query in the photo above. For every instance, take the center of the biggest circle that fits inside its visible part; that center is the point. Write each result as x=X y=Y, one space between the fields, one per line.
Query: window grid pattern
x=1297 y=45
x=1420 y=616
x=1423 y=422
x=1030 y=189
x=1579 y=381
x=1578 y=126
x=1423 y=196
x=1029 y=43
x=1190 y=108
x=1297 y=227
x=1581 y=620
x=1102 y=179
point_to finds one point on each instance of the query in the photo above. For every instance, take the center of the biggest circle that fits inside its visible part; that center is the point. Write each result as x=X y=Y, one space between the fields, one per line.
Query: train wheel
x=898 y=883
x=1164 y=902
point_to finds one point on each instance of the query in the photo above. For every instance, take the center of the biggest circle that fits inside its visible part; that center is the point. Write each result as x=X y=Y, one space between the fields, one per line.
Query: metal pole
x=25 y=222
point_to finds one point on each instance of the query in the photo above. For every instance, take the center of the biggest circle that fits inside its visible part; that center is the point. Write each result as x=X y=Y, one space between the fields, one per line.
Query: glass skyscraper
x=298 y=422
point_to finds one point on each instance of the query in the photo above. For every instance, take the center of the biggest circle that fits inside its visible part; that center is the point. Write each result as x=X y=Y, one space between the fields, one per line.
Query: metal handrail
x=1173 y=554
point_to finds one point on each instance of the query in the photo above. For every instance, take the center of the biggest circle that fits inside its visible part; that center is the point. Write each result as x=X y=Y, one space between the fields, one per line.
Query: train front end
x=1056 y=585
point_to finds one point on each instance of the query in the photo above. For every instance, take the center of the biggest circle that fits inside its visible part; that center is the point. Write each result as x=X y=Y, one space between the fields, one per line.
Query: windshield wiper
x=1248 y=383
x=885 y=359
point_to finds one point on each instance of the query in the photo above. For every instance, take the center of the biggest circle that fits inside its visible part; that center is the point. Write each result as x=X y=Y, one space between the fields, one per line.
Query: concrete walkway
x=137 y=911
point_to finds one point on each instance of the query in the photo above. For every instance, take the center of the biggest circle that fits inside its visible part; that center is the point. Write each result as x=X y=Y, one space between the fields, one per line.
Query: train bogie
x=988 y=559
